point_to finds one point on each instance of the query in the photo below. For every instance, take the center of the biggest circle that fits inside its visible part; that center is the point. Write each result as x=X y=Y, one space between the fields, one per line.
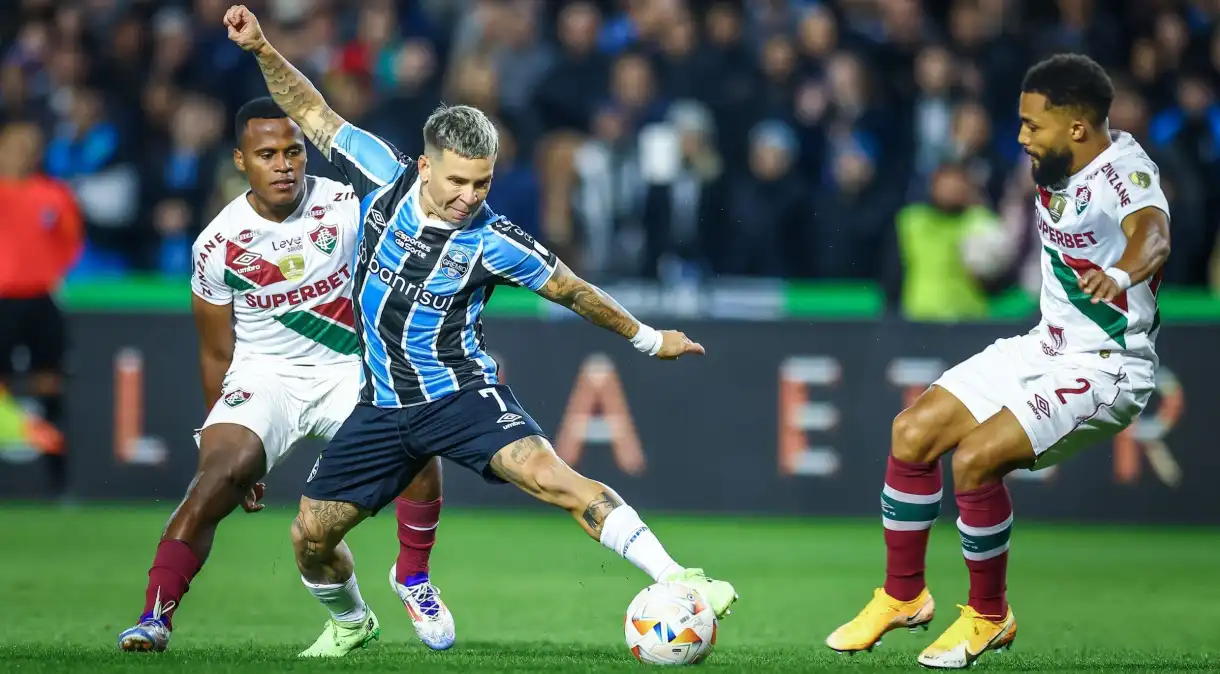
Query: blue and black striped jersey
x=420 y=284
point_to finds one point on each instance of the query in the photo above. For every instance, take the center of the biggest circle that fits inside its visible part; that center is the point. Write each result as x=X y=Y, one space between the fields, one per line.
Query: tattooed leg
x=317 y=538
x=532 y=465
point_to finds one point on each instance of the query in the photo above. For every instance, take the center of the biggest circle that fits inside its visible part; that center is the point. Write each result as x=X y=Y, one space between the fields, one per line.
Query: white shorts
x=1064 y=402
x=284 y=404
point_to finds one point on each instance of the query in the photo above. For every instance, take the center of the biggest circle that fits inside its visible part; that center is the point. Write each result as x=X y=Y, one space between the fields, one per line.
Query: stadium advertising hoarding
x=784 y=417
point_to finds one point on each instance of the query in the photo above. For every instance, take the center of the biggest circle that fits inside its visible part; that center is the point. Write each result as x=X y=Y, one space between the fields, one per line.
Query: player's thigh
x=965 y=396
x=258 y=402
x=46 y=335
x=365 y=463
x=230 y=453
x=470 y=427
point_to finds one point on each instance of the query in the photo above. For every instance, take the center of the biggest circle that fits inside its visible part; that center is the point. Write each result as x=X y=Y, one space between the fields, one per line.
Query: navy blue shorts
x=378 y=451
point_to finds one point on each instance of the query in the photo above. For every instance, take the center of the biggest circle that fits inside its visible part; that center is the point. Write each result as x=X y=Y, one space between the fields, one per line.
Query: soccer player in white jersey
x=280 y=362
x=1080 y=376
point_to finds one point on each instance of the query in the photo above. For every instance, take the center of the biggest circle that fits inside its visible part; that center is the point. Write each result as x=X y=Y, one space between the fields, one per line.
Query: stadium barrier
x=783 y=417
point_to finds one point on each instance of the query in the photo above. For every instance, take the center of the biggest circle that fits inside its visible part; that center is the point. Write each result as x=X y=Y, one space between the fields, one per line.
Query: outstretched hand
x=244 y=29
x=675 y=344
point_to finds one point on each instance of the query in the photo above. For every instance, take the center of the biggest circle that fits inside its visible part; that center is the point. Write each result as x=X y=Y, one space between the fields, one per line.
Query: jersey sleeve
x=207 y=273
x=1138 y=187
x=513 y=256
x=366 y=160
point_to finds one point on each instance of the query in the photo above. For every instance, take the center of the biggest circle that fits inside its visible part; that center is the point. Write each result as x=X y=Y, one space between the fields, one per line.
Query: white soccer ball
x=670 y=624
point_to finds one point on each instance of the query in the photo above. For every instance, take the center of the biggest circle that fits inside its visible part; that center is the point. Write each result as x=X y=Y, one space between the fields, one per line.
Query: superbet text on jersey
x=289 y=282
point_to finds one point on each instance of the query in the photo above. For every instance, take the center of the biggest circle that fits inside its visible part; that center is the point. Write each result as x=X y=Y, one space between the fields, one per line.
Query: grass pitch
x=531 y=593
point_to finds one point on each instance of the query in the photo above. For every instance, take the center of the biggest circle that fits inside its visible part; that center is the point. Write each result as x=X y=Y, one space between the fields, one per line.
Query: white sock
x=342 y=600
x=626 y=534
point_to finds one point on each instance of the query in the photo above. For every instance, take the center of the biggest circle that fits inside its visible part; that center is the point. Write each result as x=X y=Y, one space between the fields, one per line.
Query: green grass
x=532 y=594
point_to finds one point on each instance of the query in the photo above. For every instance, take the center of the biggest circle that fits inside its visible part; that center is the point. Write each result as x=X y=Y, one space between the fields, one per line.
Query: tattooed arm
x=513 y=255
x=291 y=90
x=588 y=301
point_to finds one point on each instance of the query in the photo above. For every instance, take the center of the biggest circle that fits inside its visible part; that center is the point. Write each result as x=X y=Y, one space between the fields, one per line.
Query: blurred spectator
x=768 y=210
x=871 y=97
x=940 y=283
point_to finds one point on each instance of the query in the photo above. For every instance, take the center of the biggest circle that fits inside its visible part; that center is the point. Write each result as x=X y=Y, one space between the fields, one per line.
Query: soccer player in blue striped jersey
x=430 y=255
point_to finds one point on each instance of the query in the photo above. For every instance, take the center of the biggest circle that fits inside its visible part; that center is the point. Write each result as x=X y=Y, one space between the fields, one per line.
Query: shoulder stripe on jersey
x=362 y=142
x=356 y=162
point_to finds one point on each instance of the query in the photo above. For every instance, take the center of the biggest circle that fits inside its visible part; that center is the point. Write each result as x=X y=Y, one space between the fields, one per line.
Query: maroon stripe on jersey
x=1044 y=195
x=339 y=311
x=261 y=271
x=1155 y=283
x=1080 y=266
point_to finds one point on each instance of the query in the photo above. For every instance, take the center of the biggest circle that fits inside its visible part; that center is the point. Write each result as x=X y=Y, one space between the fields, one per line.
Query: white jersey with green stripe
x=1081 y=229
x=289 y=282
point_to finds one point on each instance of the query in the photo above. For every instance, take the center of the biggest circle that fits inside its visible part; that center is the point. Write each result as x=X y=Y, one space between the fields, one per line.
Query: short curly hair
x=1072 y=81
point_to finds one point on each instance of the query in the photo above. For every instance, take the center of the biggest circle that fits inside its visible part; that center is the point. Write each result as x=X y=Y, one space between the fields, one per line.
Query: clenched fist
x=244 y=29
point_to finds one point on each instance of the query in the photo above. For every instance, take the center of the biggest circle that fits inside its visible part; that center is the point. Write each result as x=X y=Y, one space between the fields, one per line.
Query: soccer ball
x=670 y=624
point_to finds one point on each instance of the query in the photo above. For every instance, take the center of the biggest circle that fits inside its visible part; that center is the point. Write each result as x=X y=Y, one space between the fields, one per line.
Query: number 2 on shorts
x=492 y=393
x=1084 y=386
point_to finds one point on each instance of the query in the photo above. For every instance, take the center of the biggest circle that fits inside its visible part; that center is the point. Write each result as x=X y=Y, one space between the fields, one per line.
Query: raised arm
x=294 y=93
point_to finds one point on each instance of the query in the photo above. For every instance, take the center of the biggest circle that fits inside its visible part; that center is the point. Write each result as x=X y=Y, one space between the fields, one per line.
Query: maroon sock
x=174 y=566
x=910 y=504
x=417 y=523
x=985 y=525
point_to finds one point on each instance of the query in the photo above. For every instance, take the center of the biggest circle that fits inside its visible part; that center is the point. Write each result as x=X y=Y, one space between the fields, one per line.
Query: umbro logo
x=509 y=420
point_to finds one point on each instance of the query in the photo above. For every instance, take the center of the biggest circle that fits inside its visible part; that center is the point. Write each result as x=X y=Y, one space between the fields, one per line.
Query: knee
x=913 y=436
x=973 y=463
x=309 y=538
x=230 y=460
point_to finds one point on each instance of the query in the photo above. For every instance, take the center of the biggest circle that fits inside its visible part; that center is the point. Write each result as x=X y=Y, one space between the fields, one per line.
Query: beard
x=1053 y=168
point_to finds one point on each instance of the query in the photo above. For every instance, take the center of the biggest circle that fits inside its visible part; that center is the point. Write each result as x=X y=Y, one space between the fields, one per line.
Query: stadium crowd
x=848 y=139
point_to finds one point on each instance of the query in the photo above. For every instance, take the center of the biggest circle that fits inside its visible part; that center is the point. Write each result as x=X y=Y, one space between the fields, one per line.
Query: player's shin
x=985 y=525
x=910 y=504
x=417 y=523
x=334 y=585
x=174 y=566
x=418 y=511
x=622 y=530
x=214 y=493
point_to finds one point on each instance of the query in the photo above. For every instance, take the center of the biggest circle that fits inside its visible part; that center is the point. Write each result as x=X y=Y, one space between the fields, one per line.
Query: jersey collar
x=1119 y=140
